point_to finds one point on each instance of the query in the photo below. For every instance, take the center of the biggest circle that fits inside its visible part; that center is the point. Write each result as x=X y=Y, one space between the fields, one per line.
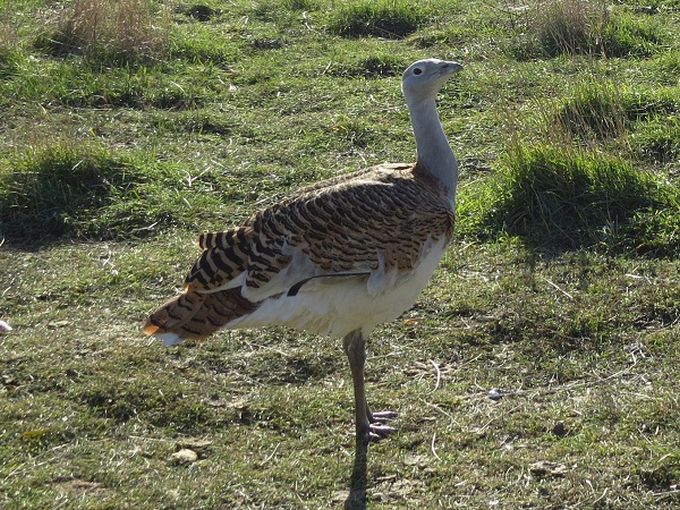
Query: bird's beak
x=450 y=67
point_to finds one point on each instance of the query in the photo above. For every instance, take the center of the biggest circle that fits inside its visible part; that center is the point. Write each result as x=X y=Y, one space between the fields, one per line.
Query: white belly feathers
x=337 y=306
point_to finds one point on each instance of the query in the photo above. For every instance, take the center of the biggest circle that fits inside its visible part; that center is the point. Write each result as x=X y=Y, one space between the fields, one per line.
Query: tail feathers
x=196 y=315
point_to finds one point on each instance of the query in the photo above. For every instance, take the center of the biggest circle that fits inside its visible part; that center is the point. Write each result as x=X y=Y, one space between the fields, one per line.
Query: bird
x=336 y=258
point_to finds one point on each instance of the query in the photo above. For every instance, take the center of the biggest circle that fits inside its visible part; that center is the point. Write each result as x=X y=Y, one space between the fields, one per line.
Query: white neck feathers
x=434 y=154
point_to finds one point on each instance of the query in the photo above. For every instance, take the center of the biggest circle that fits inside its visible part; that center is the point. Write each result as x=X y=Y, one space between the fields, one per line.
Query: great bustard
x=336 y=258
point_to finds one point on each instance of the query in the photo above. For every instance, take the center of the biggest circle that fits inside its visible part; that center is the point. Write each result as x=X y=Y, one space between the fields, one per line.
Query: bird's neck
x=434 y=156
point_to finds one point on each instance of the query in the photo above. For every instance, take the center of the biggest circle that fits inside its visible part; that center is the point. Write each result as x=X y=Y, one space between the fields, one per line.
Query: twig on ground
x=434 y=452
x=271 y=455
x=439 y=375
x=554 y=285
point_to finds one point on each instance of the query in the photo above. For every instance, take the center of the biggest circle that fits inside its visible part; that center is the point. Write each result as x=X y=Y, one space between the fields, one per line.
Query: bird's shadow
x=357 y=489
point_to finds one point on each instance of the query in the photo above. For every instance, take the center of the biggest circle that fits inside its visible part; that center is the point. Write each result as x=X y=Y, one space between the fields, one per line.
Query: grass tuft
x=604 y=110
x=565 y=199
x=659 y=140
x=9 y=60
x=586 y=27
x=9 y=51
x=196 y=121
x=668 y=65
x=111 y=31
x=202 y=44
x=60 y=191
x=199 y=12
x=565 y=26
x=391 y=19
x=655 y=231
x=623 y=35
x=373 y=66
x=593 y=111
x=49 y=191
x=71 y=84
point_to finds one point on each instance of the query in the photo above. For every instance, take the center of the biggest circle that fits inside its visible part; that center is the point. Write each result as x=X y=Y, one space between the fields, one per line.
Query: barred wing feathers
x=372 y=223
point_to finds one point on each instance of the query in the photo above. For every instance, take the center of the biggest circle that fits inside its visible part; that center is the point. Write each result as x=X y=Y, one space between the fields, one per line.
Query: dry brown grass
x=128 y=28
x=567 y=26
x=8 y=33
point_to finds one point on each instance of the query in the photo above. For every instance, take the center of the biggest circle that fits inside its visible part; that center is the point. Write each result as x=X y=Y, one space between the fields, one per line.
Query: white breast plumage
x=335 y=306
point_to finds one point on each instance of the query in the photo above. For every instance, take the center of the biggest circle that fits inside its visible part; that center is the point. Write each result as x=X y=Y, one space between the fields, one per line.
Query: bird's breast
x=338 y=306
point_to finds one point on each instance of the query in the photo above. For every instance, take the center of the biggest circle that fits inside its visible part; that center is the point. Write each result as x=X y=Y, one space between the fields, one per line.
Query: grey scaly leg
x=369 y=426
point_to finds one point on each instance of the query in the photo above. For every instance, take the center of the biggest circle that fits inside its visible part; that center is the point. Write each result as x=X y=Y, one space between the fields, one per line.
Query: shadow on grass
x=61 y=193
x=44 y=193
x=357 y=489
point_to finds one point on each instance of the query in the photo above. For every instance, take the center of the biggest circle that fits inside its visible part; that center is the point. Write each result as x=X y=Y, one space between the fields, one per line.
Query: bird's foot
x=376 y=428
x=376 y=432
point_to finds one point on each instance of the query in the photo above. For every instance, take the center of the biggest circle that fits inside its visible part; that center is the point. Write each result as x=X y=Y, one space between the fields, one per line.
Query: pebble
x=559 y=429
x=184 y=456
x=495 y=394
x=202 y=447
x=4 y=327
x=57 y=324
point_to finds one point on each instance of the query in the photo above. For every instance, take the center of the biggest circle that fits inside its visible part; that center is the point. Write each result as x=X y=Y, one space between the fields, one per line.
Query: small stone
x=58 y=324
x=9 y=380
x=79 y=486
x=544 y=468
x=4 y=327
x=559 y=430
x=339 y=496
x=184 y=456
x=495 y=394
x=415 y=460
x=200 y=446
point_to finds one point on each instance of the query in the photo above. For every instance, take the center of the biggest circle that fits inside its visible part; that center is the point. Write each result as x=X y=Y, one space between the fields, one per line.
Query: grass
x=595 y=110
x=60 y=191
x=560 y=199
x=81 y=87
x=384 y=18
x=659 y=140
x=601 y=111
x=586 y=27
x=560 y=290
x=373 y=66
x=108 y=31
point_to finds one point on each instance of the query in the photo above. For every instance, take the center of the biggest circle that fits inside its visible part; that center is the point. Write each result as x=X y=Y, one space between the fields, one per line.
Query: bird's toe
x=382 y=416
x=374 y=432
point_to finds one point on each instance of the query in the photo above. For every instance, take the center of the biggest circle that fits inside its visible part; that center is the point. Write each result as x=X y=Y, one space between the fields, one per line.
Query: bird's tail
x=197 y=315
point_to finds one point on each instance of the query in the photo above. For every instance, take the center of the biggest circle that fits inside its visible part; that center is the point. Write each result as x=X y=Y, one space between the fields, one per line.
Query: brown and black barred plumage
x=336 y=258
x=376 y=219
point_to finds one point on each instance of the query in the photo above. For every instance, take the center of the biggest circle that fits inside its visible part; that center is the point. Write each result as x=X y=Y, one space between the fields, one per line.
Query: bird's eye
x=417 y=71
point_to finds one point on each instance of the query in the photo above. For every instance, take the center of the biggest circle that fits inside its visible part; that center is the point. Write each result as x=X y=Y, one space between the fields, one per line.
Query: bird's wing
x=369 y=222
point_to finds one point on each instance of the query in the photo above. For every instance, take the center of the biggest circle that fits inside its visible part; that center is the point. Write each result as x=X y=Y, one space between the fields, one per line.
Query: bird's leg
x=369 y=425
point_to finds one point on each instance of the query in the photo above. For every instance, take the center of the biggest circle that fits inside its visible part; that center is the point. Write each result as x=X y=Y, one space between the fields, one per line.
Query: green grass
x=384 y=18
x=597 y=111
x=659 y=140
x=78 y=86
x=586 y=27
x=373 y=66
x=566 y=199
x=560 y=288
x=116 y=33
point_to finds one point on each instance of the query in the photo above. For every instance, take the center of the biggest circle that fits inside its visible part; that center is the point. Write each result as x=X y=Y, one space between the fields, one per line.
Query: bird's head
x=424 y=78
